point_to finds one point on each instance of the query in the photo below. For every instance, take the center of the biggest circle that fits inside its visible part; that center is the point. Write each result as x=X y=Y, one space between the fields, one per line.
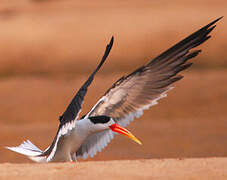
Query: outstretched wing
x=132 y=94
x=67 y=120
x=74 y=107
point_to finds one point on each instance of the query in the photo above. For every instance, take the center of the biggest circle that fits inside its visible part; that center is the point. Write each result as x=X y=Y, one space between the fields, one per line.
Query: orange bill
x=117 y=128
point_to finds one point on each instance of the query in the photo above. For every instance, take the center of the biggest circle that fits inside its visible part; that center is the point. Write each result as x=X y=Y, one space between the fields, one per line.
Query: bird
x=124 y=101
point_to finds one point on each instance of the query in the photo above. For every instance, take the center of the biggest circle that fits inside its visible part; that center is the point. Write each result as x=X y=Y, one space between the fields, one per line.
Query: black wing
x=74 y=107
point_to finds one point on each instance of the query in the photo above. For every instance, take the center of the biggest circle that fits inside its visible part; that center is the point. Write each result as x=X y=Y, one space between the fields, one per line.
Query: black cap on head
x=99 y=119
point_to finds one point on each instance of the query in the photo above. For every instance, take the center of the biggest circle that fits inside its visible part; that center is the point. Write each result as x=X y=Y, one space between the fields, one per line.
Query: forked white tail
x=30 y=150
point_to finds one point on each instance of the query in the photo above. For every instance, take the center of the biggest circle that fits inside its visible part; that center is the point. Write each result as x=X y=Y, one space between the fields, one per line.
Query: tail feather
x=30 y=150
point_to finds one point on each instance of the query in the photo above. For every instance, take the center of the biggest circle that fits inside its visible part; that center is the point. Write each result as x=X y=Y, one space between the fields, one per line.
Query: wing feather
x=132 y=94
x=74 y=107
x=67 y=120
x=94 y=144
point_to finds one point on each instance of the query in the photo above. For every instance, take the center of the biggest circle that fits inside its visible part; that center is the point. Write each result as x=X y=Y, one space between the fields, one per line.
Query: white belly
x=68 y=145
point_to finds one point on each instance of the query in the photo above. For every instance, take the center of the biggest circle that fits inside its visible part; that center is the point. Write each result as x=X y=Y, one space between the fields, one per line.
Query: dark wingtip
x=112 y=39
x=177 y=78
x=109 y=46
x=195 y=53
x=107 y=51
x=218 y=19
x=213 y=22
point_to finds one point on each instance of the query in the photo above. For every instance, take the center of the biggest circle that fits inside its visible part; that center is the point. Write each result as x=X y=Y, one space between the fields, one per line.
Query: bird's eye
x=99 y=119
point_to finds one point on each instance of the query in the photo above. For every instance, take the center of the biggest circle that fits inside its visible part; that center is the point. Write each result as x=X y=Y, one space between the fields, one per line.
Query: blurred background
x=49 y=47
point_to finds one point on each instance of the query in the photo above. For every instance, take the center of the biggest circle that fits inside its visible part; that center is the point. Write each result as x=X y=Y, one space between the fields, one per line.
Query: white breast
x=70 y=142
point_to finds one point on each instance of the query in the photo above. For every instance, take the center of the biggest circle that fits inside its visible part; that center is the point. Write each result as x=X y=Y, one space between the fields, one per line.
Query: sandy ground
x=165 y=169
